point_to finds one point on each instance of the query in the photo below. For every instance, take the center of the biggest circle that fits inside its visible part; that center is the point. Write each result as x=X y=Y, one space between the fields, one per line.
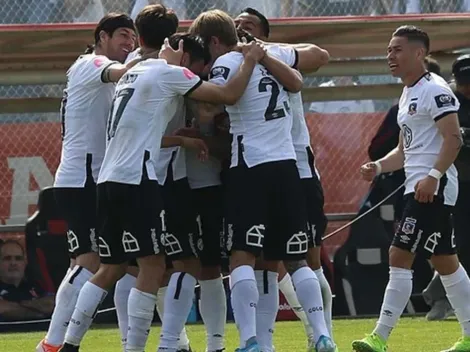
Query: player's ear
x=141 y=42
x=103 y=36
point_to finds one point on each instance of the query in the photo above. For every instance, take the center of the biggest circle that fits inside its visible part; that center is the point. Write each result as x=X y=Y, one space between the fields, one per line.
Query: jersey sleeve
x=442 y=102
x=94 y=68
x=179 y=80
x=286 y=54
x=222 y=70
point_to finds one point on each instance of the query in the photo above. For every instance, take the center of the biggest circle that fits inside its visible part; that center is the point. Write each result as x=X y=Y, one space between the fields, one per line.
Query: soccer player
x=84 y=110
x=264 y=189
x=309 y=58
x=129 y=199
x=428 y=145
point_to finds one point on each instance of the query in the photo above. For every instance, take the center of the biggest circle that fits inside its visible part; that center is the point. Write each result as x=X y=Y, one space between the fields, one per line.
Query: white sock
x=244 y=299
x=178 y=302
x=308 y=292
x=457 y=286
x=65 y=301
x=213 y=309
x=288 y=290
x=121 y=298
x=267 y=307
x=327 y=297
x=397 y=295
x=88 y=302
x=141 y=307
x=183 y=342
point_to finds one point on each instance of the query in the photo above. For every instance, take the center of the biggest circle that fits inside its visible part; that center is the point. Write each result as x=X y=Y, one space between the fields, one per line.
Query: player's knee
x=239 y=258
x=108 y=274
x=210 y=272
x=445 y=264
x=189 y=265
x=314 y=258
x=90 y=261
x=400 y=258
x=293 y=265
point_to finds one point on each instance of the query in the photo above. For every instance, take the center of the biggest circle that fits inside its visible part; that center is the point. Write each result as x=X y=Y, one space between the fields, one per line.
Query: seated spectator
x=20 y=299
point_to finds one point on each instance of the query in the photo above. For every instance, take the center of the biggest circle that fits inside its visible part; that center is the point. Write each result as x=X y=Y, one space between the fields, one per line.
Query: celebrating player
x=429 y=143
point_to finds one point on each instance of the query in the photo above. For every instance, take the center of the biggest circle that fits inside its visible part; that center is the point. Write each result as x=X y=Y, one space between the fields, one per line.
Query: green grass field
x=411 y=335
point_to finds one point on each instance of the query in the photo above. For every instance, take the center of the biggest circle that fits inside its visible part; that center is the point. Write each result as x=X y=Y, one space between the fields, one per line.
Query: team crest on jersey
x=220 y=71
x=444 y=100
x=412 y=109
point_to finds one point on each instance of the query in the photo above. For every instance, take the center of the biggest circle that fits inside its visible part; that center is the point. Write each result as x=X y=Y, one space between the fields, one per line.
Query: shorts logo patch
x=73 y=241
x=255 y=236
x=129 y=242
x=312 y=232
x=297 y=244
x=104 y=249
x=229 y=242
x=192 y=244
x=94 y=245
x=452 y=240
x=172 y=245
x=200 y=245
x=408 y=227
x=432 y=242
x=153 y=235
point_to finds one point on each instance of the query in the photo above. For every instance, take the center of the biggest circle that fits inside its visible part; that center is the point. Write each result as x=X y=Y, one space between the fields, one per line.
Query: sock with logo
x=267 y=307
x=327 y=297
x=65 y=301
x=141 y=307
x=88 y=302
x=308 y=292
x=397 y=295
x=213 y=308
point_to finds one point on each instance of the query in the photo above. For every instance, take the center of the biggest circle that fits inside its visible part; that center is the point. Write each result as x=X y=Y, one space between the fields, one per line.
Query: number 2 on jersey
x=121 y=99
x=271 y=112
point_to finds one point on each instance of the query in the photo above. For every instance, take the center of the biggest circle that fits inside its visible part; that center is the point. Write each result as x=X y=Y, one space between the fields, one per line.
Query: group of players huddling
x=194 y=147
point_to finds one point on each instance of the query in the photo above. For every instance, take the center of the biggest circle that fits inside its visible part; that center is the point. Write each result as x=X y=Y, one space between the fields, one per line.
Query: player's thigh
x=286 y=235
x=247 y=209
x=208 y=202
x=78 y=208
x=316 y=218
x=180 y=220
x=425 y=228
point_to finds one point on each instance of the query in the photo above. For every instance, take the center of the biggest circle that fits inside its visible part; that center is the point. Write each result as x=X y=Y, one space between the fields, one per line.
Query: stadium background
x=341 y=133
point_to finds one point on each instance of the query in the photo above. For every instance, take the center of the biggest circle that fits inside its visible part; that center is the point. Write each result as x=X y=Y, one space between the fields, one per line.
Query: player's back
x=260 y=121
x=84 y=111
x=146 y=99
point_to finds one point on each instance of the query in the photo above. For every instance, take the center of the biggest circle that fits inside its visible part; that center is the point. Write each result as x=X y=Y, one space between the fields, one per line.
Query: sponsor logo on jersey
x=219 y=71
x=99 y=61
x=444 y=100
x=407 y=136
x=188 y=73
x=412 y=109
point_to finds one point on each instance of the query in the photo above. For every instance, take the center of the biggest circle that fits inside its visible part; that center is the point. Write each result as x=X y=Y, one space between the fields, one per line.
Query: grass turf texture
x=412 y=334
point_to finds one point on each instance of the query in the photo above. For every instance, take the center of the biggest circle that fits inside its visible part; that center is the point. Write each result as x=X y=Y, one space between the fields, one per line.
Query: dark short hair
x=264 y=21
x=111 y=22
x=414 y=34
x=433 y=65
x=155 y=23
x=7 y=242
x=244 y=34
x=193 y=45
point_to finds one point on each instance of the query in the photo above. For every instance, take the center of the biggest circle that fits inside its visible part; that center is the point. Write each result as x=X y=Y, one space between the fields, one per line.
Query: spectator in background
x=435 y=294
x=184 y=9
x=19 y=298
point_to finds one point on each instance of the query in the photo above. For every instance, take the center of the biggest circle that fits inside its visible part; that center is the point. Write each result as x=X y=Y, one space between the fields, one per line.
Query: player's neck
x=99 y=51
x=145 y=50
x=413 y=77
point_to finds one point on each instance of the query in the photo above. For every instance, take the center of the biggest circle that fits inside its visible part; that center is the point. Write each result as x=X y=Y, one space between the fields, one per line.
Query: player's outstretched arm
x=230 y=93
x=288 y=77
x=114 y=72
x=393 y=161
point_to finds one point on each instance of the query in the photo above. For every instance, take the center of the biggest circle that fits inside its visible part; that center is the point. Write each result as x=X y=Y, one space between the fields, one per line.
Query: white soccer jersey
x=202 y=174
x=146 y=99
x=261 y=120
x=174 y=155
x=301 y=137
x=84 y=111
x=420 y=106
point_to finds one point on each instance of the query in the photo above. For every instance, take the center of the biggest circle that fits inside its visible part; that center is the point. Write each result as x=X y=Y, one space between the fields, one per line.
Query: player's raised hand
x=173 y=57
x=254 y=50
x=197 y=145
x=369 y=171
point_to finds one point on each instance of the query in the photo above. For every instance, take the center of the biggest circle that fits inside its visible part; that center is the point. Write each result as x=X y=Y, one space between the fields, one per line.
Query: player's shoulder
x=432 y=81
x=228 y=59
x=137 y=53
x=89 y=62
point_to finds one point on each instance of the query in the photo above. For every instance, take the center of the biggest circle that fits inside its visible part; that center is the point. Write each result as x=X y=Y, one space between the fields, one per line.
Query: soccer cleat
x=311 y=344
x=440 y=310
x=69 y=348
x=325 y=344
x=462 y=345
x=251 y=346
x=43 y=346
x=371 y=343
